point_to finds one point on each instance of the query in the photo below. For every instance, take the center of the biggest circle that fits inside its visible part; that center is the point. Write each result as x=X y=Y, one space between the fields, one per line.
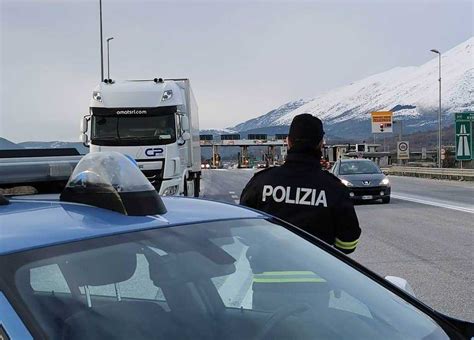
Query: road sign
x=382 y=122
x=403 y=150
x=464 y=136
x=423 y=153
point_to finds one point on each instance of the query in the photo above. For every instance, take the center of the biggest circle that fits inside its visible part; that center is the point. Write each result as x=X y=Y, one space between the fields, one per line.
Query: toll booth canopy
x=279 y=136
x=254 y=136
x=206 y=137
x=234 y=136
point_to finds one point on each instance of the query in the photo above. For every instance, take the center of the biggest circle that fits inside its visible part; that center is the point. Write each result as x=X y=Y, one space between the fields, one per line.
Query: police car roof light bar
x=110 y=180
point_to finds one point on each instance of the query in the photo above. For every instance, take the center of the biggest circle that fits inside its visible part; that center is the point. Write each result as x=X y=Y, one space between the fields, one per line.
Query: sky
x=244 y=58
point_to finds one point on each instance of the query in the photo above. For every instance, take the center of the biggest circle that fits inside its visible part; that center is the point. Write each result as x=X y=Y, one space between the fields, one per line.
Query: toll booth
x=216 y=161
x=244 y=160
x=364 y=150
x=335 y=152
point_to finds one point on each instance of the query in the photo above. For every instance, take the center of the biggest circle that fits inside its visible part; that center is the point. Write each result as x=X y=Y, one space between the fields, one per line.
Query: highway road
x=425 y=235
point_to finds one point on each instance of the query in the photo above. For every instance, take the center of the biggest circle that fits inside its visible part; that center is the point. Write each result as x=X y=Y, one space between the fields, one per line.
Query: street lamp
x=439 y=113
x=101 y=43
x=108 y=57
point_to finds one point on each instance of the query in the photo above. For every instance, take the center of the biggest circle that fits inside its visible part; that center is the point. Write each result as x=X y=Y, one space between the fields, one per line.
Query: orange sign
x=382 y=122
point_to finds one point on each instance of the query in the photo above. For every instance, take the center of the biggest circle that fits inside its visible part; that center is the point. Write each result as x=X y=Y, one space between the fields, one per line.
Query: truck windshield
x=131 y=130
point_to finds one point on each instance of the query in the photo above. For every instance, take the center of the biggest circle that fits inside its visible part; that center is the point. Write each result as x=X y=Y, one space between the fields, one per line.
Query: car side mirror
x=401 y=283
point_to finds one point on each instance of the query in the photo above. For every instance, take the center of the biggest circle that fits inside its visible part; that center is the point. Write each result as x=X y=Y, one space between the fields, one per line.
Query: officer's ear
x=288 y=141
x=320 y=145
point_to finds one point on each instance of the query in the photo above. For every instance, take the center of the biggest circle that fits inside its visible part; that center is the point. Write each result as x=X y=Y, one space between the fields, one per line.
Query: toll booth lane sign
x=382 y=122
x=464 y=136
x=403 y=150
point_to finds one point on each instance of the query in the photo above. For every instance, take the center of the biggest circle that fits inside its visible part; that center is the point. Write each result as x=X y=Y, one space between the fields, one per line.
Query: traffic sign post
x=403 y=150
x=464 y=136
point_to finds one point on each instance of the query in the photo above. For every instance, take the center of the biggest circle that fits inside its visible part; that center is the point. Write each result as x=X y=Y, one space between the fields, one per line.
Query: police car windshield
x=206 y=281
x=124 y=129
x=358 y=167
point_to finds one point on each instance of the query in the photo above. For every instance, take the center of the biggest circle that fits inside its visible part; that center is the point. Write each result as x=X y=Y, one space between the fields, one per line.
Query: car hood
x=360 y=180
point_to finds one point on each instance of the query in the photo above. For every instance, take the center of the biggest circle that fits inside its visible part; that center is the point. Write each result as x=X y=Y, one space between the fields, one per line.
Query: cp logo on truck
x=151 y=152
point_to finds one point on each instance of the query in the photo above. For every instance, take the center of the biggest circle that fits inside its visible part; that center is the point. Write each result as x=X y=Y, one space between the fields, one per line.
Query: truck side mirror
x=84 y=124
x=84 y=139
x=185 y=123
x=186 y=136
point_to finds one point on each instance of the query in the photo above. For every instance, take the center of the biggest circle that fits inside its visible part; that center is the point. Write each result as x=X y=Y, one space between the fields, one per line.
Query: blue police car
x=110 y=259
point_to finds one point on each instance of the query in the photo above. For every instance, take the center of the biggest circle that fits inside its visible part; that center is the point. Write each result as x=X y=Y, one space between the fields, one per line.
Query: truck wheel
x=386 y=199
x=185 y=191
x=197 y=185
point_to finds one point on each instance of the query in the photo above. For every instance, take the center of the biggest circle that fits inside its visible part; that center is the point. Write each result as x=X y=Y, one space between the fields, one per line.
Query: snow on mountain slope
x=413 y=89
x=269 y=118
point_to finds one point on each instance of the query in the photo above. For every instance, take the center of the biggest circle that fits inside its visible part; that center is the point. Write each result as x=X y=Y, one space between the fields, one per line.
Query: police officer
x=301 y=193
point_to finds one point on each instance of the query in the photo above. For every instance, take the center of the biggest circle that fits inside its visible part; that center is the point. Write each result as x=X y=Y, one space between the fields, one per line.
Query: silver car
x=364 y=179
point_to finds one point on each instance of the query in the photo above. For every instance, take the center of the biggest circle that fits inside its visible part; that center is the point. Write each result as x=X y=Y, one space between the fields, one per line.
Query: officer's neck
x=298 y=154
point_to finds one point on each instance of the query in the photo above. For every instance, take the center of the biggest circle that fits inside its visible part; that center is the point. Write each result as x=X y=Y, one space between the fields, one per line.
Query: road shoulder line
x=432 y=203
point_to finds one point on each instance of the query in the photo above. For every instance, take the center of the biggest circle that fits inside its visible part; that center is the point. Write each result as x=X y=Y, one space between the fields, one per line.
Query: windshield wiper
x=106 y=138
x=135 y=138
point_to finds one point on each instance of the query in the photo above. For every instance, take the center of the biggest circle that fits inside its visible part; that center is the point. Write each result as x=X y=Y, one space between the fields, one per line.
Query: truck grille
x=154 y=176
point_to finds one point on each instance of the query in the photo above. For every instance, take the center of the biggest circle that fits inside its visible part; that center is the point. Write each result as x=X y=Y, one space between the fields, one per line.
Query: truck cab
x=155 y=122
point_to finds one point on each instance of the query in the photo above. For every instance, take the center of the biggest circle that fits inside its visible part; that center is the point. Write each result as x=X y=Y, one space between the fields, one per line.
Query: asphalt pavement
x=425 y=235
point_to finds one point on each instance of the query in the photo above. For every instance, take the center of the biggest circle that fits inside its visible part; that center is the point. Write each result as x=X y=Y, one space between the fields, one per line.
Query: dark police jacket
x=301 y=193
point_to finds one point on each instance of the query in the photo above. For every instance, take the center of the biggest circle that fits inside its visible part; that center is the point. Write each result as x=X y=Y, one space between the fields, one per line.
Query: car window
x=48 y=279
x=358 y=167
x=128 y=289
x=220 y=279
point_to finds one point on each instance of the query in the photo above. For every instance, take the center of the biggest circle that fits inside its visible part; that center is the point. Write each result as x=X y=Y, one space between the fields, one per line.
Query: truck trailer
x=156 y=123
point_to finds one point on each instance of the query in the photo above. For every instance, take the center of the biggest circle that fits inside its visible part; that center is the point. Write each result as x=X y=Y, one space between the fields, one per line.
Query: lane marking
x=433 y=203
x=235 y=198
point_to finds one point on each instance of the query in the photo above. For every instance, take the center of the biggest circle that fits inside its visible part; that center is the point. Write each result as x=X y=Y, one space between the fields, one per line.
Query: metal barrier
x=36 y=169
x=441 y=173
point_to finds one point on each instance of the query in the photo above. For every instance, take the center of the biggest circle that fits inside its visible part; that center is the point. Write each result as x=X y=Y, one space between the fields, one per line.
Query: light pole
x=439 y=112
x=101 y=44
x=108 y=57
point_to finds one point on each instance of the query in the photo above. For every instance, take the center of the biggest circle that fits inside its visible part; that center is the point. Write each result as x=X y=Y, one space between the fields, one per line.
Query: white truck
x=153 y=121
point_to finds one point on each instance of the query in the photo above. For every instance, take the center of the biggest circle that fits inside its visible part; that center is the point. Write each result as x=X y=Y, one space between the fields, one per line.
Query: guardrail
x=36 y=169
x=441 y=173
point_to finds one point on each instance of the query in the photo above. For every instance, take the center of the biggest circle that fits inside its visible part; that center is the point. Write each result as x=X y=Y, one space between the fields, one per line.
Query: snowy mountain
x=269 y=118
x=55 y=145
x=5 y=144
x=411 y=92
